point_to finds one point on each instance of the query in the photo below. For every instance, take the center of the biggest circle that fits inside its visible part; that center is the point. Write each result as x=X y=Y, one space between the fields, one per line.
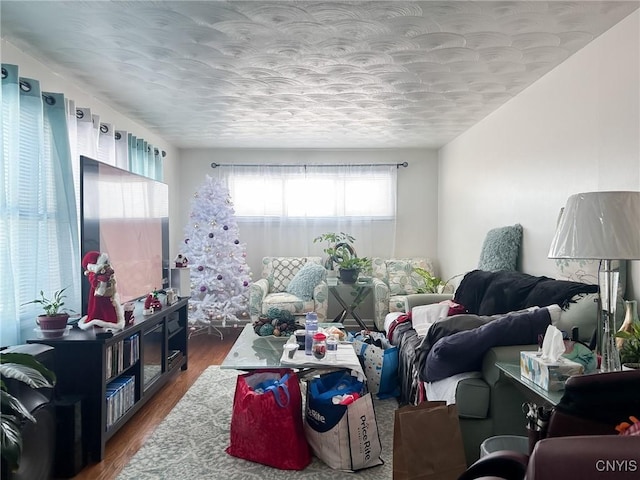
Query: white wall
x=575 y=130
x=51 y=81
x=417 y=188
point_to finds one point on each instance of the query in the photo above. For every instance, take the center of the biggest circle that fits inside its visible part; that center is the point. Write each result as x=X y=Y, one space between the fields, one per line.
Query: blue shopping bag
x=379 y=360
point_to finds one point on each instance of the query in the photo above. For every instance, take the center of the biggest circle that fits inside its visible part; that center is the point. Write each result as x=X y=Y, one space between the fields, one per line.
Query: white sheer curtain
x=281 y=209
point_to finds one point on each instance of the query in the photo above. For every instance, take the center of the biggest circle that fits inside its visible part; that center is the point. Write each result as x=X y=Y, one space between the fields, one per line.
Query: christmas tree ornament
x=219 y=277
x=200 y=268
x=236 y=242
x=225 y=227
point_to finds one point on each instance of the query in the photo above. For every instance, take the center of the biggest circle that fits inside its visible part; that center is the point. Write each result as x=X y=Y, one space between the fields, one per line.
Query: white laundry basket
x=505 y=442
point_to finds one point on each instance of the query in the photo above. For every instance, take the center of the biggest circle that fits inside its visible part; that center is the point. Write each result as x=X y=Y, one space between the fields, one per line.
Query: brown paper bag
x=427 y=443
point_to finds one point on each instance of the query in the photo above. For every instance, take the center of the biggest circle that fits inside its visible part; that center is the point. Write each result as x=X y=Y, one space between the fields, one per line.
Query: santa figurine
x=104 y=308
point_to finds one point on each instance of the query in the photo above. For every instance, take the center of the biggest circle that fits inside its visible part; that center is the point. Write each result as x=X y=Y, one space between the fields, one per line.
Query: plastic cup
x=291 y=349
x=332 y=348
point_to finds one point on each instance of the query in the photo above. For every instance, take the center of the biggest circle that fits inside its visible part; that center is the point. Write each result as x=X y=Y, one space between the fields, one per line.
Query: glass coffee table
x=252 y=352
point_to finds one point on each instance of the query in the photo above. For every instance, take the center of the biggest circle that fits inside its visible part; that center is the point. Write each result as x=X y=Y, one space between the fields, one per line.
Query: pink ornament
x=245 y=283
x=203 y=288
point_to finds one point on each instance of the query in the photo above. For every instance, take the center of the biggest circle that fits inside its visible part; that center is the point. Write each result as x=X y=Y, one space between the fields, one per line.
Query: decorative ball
x=213 y=223
x=219 y=277
x=203 y=288
x=211 y=235
x=195 y=225
x=218 y=254
x=244 y=254
x=219 y=317
x=200 y=268
x=231 y=255
x=225 y=227
x=245 y=283
x=196 y=195
x=186 y=240
x=236 y=242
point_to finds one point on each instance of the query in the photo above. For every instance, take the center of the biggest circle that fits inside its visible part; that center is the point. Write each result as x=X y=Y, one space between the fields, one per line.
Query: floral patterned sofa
x=394 y=279
x=274 y=289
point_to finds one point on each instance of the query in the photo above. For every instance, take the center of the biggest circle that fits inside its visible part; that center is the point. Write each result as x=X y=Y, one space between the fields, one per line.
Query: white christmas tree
x=220 y=276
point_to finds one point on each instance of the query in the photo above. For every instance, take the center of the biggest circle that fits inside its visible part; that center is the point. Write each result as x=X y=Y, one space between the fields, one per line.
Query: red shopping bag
x=266 y=421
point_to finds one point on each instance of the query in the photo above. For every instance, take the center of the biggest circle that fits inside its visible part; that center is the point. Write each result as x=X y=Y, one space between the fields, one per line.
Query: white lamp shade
x=599 y=225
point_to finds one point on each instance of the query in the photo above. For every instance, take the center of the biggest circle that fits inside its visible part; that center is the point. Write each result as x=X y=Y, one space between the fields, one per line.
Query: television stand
x=116 y=376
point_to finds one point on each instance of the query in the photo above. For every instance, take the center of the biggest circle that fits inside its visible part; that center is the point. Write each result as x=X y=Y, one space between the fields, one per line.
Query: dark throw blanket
x=463 y=351
x=490 y=293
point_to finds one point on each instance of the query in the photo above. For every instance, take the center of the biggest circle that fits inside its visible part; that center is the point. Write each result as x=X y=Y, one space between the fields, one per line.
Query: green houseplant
x=350 y=265
x=23 y=368
x=54 y=317
x=630 y=351
x=432 y=284
x=336 y=244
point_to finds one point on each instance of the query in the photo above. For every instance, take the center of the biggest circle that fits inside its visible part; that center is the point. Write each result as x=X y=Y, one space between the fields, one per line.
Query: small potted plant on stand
x=53 y=322
x=336 y=243
x=350 y=265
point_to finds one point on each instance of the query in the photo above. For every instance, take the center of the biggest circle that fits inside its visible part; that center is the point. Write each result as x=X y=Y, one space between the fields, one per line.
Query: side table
x=359 y=292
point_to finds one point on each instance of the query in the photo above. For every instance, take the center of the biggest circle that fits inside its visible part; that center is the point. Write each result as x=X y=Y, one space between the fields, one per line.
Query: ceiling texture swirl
x=306 y=74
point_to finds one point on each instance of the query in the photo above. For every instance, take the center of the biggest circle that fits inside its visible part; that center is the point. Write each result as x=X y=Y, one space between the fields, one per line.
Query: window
x=314 y=192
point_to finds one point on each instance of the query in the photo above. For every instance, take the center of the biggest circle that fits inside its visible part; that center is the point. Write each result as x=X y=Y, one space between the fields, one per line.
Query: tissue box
x=548 y=375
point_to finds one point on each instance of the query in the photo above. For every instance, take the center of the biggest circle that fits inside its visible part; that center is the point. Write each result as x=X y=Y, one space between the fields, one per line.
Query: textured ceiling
x=330 y=74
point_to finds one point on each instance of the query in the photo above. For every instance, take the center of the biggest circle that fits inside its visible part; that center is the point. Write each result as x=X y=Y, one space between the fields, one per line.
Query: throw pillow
x=303 y=283
x=401 y=277
x=284 y=268
x=501 y=248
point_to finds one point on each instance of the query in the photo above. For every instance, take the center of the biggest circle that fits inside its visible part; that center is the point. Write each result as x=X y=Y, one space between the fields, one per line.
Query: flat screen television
x=127 y=216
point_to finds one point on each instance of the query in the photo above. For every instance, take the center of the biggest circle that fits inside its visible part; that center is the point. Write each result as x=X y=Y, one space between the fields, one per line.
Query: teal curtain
x=143 y=158
x=39 y=239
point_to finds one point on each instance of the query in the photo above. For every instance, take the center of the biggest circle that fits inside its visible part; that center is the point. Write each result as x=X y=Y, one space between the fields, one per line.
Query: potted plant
x=630 y=351
x=350 y=265
x=54 y=319
x=24 y=368
x=432 y=284
x=336 y=242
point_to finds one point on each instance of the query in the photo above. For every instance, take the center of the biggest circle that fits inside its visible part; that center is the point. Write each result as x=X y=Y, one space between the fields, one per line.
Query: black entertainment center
x=115 y=376
x=104 y=377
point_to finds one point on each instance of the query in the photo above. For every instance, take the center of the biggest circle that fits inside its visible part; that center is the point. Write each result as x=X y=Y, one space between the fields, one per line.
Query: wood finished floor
x=204 y=350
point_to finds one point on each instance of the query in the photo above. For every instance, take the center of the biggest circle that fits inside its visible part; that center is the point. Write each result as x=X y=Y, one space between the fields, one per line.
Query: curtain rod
x=397 y=165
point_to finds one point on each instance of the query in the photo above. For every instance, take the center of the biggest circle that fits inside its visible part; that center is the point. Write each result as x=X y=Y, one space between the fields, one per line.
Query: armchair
x=309 y=291
x=587 y=456
x=582 y=441
x=394 y=279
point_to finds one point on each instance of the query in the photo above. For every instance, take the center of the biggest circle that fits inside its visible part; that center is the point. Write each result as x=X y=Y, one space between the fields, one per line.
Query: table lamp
x=601 y=226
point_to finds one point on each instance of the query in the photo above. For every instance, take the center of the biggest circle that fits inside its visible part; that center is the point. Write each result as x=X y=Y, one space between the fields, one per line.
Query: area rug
x=190 y=443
